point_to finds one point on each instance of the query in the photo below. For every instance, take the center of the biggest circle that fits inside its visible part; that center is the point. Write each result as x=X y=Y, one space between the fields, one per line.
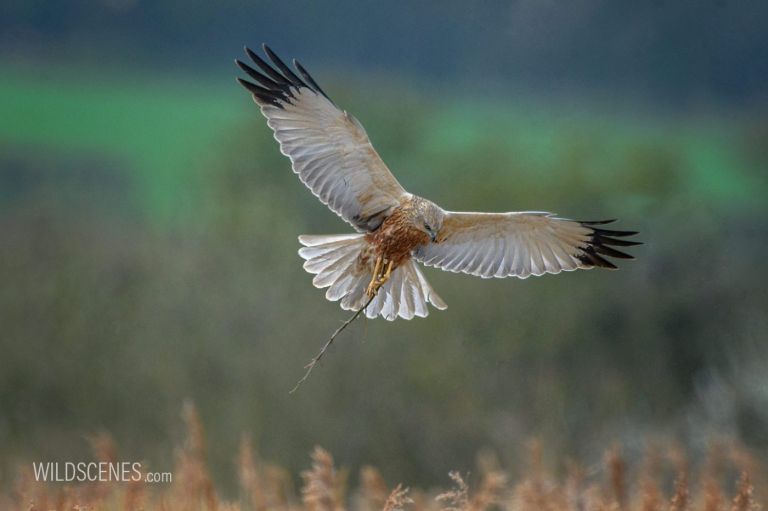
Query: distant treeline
x=677 y=53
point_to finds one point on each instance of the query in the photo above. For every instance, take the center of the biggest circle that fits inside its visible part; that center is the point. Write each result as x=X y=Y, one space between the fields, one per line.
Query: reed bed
x=728 y=479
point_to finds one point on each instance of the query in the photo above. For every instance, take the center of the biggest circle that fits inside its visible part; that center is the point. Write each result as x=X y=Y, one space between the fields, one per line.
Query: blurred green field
x=162 y=131
x=169 y=133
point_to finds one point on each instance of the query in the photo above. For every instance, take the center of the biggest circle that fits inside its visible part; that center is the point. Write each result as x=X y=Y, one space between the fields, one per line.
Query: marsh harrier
x=332 y=155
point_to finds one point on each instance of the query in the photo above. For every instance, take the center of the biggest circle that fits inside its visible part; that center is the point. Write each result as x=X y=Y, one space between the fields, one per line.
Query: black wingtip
x=601 y=243
x=268 y=51
x=277 y=83
x=619 y=234
x=615 y=242
x=308 y=78
x=612 y=252
x=251 y=54
x=285 y=70
x=591 y=259
x=250 y=87
x=261 y=95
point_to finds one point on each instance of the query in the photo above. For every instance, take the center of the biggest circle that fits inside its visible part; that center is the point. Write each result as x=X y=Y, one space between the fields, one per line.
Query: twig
x=320 y=354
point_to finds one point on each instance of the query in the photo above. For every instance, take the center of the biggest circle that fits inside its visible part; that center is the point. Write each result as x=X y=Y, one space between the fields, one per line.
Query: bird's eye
x=427 y=227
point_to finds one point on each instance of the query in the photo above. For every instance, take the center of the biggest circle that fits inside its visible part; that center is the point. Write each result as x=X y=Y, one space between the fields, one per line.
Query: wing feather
x=328 y=148
x=520 y=244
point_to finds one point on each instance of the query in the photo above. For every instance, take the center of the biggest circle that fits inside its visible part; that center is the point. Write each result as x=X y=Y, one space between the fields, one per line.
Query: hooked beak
x=433 y=235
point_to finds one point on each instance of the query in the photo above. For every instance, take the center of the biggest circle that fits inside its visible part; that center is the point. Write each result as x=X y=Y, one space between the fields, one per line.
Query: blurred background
x=148 y=230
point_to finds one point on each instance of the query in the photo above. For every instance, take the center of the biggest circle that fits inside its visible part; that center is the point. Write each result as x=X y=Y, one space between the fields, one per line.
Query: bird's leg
x=388 y=273
x=373 y=286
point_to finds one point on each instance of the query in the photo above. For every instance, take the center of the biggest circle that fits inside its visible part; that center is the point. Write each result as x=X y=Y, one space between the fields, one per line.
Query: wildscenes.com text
x=88 y=471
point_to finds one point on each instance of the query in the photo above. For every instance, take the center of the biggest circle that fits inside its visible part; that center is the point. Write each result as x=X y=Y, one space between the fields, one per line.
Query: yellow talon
x=381 y=274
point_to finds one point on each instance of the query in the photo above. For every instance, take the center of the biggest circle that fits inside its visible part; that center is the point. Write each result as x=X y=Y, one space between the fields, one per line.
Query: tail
x=337 y=264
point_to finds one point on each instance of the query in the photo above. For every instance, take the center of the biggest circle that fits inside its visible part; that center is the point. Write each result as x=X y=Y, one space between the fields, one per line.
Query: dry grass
x=663 y=481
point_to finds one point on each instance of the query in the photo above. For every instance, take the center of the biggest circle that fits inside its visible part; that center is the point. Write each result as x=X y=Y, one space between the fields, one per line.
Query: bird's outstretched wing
x=328 y=148
x=520 y=244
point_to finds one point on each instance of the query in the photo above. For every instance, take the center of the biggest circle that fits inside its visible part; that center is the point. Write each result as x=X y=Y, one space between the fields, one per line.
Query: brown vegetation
x=661 y=482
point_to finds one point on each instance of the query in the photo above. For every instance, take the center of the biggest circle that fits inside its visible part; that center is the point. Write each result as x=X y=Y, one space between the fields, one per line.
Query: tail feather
x=330 y=273
x=322 y=261
x=335 y=262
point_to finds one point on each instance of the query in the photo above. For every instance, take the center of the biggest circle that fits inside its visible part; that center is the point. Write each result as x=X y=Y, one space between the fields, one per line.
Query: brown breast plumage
x=396 y=238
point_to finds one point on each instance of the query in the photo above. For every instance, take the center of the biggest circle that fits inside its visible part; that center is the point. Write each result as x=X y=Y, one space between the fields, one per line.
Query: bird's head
x=428 y=217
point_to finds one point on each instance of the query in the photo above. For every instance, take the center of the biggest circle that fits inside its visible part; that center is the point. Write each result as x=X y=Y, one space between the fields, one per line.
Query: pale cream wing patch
x=520 y=244
x=328 y=148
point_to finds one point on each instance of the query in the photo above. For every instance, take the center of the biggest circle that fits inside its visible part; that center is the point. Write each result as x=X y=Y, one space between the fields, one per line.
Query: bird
x=375 y=268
